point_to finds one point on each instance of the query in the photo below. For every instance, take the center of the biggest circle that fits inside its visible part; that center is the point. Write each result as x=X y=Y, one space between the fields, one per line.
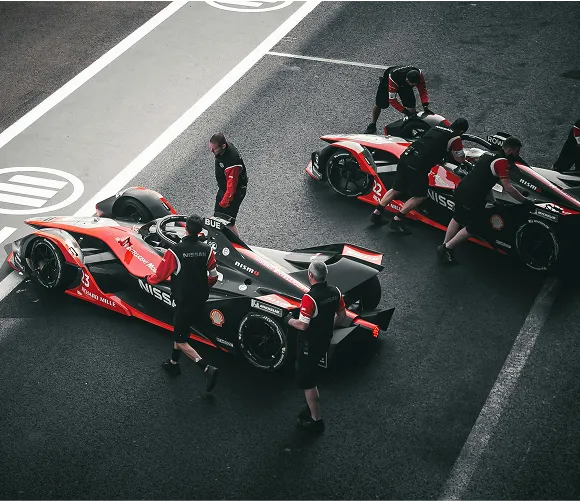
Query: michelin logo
x=267 y=308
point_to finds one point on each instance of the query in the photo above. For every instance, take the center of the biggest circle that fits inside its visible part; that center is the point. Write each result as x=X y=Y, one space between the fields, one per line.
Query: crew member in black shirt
x=569 y=158
x=192 y=266
x=413 y=169
x=231 y=177
x=322 y=309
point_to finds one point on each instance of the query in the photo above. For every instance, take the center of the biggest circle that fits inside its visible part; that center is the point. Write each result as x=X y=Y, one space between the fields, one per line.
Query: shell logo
x=496 y=222
x=217 y=317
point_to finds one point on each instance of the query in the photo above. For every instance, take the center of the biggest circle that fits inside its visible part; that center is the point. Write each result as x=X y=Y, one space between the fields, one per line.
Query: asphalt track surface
x=88 y=413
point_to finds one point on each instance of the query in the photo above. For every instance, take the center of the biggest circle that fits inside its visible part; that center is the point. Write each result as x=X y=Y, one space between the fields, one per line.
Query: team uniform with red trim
x=232 y=180
x=413 y=168
x=317 y=309
x=193 y=270
x=569 y=158
x=394 y=82
x=471 y=192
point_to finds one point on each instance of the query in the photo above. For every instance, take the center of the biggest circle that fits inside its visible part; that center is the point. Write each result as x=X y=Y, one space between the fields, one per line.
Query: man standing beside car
x=399 y=80
x=473 y=190
x=231 y=177
x=322 y=308
x=193 y=270
x=413 y=169
x=569 y=158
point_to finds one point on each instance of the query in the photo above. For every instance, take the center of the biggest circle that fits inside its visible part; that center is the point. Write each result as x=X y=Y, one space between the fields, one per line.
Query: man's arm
x=212 y=274
x=307 y=310
x=501 y=168
x=232 y=174
x=340 y=313
x=168 y=265
x=393 y=101
x=422 y=88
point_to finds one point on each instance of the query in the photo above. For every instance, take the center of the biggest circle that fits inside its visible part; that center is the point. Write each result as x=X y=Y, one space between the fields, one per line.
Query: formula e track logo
x=247 y=268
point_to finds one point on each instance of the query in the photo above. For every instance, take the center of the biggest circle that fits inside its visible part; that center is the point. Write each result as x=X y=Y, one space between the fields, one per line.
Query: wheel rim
x=537 y=247
x=45 y=264
x=261 y=341
x=345 y=176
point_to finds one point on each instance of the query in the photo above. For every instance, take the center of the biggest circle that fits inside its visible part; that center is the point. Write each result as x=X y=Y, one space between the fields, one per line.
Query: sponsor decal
x=223 y=341
x=496 y=222
x=157 y=293
x=267 y=308
x=376 y=199
x=529 y=185
x=212 y=223
x=495 y=140
x=242 y=287
x=442 y=200
x=280 y=273
x=226 y=251
x=126 y=243
x=555 y=208
x=247 y=268
x=194 y=254
x=503 y=244
x=547 y=215
x=97 y=297
x=323 y=362
x=213 y=246
x=216 y=317
x=365 y=256
x=221 y=165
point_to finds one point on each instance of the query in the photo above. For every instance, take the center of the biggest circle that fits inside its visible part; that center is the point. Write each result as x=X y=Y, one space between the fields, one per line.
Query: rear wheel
x=47 y=265
x=130 y=209
x=262 y=341
x=345 y=177
x=537 y=246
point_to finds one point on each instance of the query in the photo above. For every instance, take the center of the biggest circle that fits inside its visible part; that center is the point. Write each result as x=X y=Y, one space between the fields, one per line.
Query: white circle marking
x=249 y=5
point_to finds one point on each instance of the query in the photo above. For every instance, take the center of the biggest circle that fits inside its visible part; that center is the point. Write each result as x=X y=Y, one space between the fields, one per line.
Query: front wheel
x=345 y=177
x=47 y=265
x=132 y=210
x=537 y=245
x=262 y=341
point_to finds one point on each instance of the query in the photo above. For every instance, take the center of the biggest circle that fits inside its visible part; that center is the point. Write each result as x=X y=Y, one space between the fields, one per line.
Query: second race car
x=103 y=259
x=364 y=165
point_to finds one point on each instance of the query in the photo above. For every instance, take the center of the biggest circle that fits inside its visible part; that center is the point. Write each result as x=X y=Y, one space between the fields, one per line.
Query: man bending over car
x=413 y=169
x=569 y=158
x=193 y=271
x=472 y=192
x=322 y=308
x=399 y=80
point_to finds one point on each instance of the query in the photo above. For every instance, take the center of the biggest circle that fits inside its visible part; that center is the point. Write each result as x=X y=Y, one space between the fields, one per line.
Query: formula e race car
x=102 y=259
x=544 y=237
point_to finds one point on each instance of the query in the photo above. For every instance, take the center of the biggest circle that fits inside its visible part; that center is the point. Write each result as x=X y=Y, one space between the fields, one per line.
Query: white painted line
x=89 y=72
x=183 y=122
x=6 y=232
x=38 y=181
x=8 y=284
x=27 y=190
x=468 y=461
x=18 y=200
x=246 y=3
x=325 y=60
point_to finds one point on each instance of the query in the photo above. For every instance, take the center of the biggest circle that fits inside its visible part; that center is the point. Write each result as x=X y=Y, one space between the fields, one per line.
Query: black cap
x=414 y=76
x=194 y=224
x=460 y=124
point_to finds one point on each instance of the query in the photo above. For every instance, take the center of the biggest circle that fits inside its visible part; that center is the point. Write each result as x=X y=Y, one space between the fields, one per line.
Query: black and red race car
x=364 y=166
x=102 y=259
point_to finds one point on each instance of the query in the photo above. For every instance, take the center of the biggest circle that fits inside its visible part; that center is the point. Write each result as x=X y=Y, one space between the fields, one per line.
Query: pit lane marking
x=175 y=129
x=478 y=440
x=6 y=232
x=325 y=60
x=249 y=5
x=90 y=71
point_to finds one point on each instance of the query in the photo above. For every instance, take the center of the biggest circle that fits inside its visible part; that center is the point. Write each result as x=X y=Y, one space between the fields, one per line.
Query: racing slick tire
x=367 y=294
x=342 y=171
x=263 y=342
x=48 y=267
x=131 y=209
x=537 y=245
